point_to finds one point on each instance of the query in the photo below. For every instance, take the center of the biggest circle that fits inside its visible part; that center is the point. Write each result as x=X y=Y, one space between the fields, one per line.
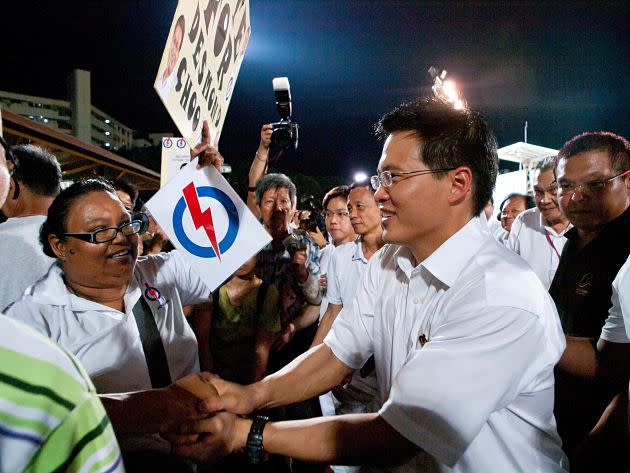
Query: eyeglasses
x=339 y=213
x=138 y=225
x=590 y=187
x=385 y=178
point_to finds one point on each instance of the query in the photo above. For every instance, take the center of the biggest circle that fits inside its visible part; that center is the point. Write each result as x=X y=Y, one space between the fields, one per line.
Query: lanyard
x=551 y=243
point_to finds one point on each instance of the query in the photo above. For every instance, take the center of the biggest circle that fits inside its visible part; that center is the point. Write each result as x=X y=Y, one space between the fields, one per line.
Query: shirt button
x=415 y=300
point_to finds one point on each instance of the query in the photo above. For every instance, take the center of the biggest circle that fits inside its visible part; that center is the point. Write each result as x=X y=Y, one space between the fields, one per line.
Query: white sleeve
x=333 y=291
x=192 y=290
x=350 y=337
x=617 y=326
x=475 y=364
x=29 y=313
x=513 y=243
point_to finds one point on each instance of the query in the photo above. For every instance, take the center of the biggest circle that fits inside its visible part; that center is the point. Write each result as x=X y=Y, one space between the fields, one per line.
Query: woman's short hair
x=57 y=218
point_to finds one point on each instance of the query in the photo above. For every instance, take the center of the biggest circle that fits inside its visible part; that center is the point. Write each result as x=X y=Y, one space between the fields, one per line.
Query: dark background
x=562 y=66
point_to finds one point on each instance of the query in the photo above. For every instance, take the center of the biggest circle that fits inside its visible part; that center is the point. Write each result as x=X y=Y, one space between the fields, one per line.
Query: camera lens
x=281 y=137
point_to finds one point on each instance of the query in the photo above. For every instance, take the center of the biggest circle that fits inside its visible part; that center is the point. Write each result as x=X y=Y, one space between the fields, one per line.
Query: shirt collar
x=358 y=251
x=52 y=290
x=448 y=261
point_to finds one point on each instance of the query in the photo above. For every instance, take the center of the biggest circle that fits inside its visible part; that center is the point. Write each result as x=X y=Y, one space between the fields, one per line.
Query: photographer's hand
x=265 y=140
x=298 y=265
x=318 y=237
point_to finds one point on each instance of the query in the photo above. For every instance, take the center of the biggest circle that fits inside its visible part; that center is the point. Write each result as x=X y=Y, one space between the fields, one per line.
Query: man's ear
x=58 y=246
x=461 y=184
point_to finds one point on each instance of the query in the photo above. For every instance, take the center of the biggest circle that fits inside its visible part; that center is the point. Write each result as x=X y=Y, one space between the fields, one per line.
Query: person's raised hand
x=265 y=138
x=208 y=155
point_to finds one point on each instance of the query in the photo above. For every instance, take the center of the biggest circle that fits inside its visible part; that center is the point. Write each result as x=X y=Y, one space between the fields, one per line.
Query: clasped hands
x=215 y=427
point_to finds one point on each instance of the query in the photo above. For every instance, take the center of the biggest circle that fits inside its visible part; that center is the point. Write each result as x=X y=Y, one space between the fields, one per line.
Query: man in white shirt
x=35 y=182
x=464 y=335
x=538 y=233
x=345 y=272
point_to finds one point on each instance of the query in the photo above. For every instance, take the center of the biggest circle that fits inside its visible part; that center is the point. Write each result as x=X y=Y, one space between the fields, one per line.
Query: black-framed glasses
x=591 y=187
x=386 y=180
x=138 y=225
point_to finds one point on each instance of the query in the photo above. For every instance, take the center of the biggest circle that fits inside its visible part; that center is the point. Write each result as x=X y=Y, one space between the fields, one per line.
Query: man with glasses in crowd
x=593 y=177
x=345 y=274
x=537 y=234
x=463 y=334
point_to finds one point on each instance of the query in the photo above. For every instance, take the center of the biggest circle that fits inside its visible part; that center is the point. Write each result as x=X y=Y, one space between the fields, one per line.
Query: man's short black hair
x=37 y=169
x=121 y=184
x=617 y=147
x=334 y=193
x=449 y=138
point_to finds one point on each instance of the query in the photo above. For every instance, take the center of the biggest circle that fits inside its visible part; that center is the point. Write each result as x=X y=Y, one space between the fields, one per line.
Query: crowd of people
x=415 y=332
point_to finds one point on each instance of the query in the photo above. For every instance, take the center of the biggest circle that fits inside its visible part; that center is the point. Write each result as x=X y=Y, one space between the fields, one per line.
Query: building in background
x=75 y=116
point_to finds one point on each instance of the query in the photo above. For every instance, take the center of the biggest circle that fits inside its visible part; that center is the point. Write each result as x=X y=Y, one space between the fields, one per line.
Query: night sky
x=562 y=66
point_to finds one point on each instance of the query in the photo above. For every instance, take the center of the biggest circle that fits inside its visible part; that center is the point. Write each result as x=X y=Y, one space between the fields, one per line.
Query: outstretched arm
x=355 y=439
x=258 y=167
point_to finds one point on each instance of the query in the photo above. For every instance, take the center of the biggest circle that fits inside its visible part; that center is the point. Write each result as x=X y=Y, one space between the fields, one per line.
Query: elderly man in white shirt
x=538 y=233
x=464 y=335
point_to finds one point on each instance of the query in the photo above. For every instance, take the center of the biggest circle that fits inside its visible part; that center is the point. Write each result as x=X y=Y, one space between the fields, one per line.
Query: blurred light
x=107 y=145
x=446 y=89
x=360 y=177
x=45 y=120
x=107 y=133
x=107 y=120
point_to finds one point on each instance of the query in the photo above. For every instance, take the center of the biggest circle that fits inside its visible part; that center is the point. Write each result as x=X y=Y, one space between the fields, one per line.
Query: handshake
x=204 y=418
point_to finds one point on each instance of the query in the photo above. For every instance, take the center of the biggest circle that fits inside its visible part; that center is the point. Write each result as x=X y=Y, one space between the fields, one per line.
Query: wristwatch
x=254 y=447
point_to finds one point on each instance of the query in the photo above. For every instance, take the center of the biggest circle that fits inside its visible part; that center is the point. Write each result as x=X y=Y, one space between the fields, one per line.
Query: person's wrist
x=262 y=154
x=254 y=450
x=241 y=431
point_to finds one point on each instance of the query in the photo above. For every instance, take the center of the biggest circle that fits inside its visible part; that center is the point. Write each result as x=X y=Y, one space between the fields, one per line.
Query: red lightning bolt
x=201 y=219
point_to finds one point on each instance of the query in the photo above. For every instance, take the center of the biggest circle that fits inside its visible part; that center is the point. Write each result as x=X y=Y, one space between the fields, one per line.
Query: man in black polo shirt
x=593 y=175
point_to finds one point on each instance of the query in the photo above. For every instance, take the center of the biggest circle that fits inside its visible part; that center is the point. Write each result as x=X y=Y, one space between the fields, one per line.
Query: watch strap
x=254 y=447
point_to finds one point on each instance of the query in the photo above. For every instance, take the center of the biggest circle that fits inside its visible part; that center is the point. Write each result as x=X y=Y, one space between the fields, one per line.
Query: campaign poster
x=204 y=218
x=175 y=155
x=201 y=60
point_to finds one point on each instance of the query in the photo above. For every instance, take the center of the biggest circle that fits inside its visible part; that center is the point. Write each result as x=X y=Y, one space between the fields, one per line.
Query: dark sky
x=563 y=66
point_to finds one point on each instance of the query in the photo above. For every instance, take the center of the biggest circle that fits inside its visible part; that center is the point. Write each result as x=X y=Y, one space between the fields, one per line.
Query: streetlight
x=360 y=177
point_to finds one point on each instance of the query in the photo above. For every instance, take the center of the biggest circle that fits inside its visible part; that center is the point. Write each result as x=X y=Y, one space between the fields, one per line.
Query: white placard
x=200 y=63
x=205 y=219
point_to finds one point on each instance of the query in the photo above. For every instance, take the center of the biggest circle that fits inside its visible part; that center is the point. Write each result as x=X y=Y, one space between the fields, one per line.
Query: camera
x=285 y=132
x=295 y=241
x=316 y=218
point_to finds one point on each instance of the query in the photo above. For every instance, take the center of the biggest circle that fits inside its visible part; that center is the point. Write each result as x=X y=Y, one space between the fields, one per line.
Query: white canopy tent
x=521 y=181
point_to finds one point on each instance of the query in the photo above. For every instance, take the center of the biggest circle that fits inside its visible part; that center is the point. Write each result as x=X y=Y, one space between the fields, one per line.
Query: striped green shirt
x=51 y=419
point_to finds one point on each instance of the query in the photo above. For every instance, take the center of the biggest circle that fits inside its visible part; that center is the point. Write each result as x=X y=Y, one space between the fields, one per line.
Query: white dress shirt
x=617 y=326
x=537 y=243
x=465 y=344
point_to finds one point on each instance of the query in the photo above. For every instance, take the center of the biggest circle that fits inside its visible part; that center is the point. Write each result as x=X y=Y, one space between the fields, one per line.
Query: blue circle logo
x=167 y=142
x=233 y=223
x=152 y=293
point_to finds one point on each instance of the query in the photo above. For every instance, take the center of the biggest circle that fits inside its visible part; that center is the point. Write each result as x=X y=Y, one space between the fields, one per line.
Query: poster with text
x=175 y=155
x=204 y=218
x=201 y=60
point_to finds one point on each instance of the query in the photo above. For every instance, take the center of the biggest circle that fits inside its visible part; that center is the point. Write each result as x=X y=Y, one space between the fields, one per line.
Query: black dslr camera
x=285 y=132
x=295 y=241
x=316 y=218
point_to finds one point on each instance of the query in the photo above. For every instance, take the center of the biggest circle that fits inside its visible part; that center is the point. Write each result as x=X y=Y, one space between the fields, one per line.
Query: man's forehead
x=585 y=163
x=336 y=203
x=399 y=146
x=276 y=192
